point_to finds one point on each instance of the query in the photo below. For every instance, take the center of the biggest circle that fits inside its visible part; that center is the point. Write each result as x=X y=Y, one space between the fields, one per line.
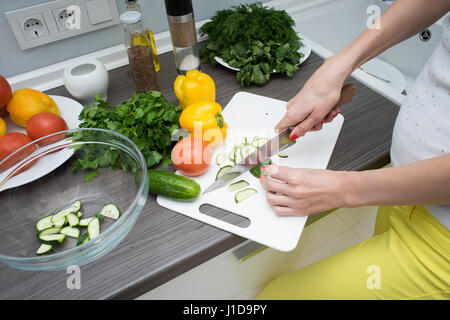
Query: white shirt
x=422 y=128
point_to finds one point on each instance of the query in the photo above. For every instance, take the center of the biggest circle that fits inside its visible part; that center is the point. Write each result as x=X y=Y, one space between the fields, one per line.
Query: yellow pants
x=408 y=257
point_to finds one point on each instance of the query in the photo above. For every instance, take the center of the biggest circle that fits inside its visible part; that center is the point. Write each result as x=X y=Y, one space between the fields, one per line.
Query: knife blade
x=275 y=145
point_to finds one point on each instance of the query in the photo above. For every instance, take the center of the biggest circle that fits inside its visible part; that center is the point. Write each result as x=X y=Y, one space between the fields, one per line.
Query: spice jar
x=139 y=52
x=133 y=5
x=180 y=15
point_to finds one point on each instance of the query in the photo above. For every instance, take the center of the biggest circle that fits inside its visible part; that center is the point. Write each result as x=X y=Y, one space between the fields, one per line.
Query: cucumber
x=222 y=171
x=48 y=231
x=72 y=219
x=52 y=238
x=237 y=185
x=74 y=208
x=282 y=155
x=83 y=239
x=231 y=155
x=244 y=194
x=44 y=223
x=247 y=150
x=85 y=222
x=43 y=249
x=173 y=186
x=79 y=214
x=242 y=142
x=70 y=232
x=93 y=228
x=221 y=158
x=110 y=211
x=260 y=142
x=60 y=223
x=256 y=170
x=238 y=155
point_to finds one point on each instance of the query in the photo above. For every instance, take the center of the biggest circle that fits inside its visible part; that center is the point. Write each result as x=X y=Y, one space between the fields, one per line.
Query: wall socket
x=60 y=19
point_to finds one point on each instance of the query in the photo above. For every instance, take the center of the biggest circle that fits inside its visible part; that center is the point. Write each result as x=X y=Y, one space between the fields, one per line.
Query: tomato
x=9 y=143
x=191 y=156
x=43 y=124
x=5 y=93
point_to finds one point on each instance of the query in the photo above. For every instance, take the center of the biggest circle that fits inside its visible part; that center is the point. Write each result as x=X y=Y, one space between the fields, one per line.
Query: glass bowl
x=54 y=177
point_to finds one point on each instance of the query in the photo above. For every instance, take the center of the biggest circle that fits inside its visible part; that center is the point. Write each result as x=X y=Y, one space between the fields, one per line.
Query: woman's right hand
x=315 y=104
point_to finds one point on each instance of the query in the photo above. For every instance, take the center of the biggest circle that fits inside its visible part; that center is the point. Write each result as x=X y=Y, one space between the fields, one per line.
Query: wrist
x=341 y=64
x=353 y=186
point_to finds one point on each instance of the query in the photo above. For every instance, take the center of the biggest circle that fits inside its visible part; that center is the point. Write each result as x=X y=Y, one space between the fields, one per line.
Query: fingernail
x=293 y=137
x=263 y=168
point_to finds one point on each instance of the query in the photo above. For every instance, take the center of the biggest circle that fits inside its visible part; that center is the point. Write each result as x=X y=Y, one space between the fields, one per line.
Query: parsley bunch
x=255 y=39
x=147 y=119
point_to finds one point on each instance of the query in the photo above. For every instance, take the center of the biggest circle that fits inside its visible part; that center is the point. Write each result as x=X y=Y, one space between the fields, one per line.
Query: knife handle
x=347 y=94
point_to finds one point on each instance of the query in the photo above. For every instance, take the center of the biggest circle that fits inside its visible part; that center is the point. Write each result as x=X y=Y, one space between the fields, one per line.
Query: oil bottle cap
x=130 y=17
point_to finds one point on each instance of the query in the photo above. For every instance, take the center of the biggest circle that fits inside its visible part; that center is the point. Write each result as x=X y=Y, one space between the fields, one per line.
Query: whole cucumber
x=173 y=186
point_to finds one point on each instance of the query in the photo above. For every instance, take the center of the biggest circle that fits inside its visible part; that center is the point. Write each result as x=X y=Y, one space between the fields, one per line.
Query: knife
x=273 y=146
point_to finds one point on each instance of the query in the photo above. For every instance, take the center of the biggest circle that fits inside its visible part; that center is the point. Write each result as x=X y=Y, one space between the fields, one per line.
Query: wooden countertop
x=164 y=244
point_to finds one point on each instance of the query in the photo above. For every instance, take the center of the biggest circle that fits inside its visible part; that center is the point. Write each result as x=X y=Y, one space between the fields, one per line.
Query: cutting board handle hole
x=224 y=215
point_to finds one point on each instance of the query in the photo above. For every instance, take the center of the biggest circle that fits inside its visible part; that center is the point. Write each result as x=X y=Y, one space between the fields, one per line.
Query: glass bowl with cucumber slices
x=69 y=198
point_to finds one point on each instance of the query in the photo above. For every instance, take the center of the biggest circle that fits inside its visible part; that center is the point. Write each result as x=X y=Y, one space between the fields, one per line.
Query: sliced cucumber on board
x=244 y=194
x=52 y=238
x=221 y=158
x=238 y=185
x=110 y=211
x=44 y=248
x=44 y=223
x=70 y=232
x=222 y=171
x=93 y=228
x=72 y=219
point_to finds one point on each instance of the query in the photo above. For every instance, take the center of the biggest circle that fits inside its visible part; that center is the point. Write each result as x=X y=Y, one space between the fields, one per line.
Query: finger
x=284 y=211
x=281 y=173
x=302 y=128
x=317 y=127
x=276 y=199
x=274 y=186
x=292 y=117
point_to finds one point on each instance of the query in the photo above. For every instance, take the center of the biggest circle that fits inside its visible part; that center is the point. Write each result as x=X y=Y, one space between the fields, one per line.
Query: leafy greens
x=147 y=119
x=255 y=39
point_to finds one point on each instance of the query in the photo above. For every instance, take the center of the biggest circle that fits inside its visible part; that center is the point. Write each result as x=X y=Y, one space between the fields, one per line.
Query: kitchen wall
x=14 y=61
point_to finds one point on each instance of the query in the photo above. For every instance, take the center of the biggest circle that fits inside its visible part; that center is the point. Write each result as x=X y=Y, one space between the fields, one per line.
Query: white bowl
x=86 y=78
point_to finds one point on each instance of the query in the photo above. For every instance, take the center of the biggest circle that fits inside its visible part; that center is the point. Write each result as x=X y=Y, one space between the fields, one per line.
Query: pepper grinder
x=182 y=33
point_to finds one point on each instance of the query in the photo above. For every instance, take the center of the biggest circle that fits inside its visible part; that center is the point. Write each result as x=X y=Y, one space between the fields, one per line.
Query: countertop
x=164 y=244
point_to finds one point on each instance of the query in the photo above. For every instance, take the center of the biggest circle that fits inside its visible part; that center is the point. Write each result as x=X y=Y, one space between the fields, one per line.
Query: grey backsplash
x=14 y=61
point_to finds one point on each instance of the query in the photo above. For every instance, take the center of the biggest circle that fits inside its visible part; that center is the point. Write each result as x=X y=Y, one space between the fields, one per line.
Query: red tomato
x=9 y=143
x=5 y=92
x=43 y=124
x=191 y=156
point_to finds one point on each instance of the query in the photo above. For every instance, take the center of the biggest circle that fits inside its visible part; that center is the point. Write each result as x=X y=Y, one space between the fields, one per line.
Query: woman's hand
x=315 y=104
x=300 y=192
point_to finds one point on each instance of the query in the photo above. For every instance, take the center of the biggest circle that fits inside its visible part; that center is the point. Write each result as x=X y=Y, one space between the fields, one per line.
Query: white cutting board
x=249 y=115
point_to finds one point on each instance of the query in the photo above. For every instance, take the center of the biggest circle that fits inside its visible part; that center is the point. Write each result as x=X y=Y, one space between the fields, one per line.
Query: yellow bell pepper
x=25 y=103
x=205 y=120
x=194 y=87
x=2 y=127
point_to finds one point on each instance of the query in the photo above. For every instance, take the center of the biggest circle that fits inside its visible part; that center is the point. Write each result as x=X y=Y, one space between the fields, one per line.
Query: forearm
x=401 y=20
x=424 y=182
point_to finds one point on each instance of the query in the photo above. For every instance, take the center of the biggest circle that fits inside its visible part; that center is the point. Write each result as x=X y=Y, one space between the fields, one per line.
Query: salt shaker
x=139 y=52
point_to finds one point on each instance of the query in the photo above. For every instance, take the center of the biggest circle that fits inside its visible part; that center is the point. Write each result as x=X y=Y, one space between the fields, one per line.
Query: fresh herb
x=147 y=119
x=255 y=39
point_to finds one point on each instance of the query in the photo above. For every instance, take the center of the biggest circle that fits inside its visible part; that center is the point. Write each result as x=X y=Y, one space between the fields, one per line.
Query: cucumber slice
x=237 y=185
x=79 y=214
x=74 y=208
x=44 y=223
x=85 y=222
x=70 y=232
x=247 y=150
x=221 y=158
x=60 y=223
x=231 y=155
x=72 y=219
x=52 y=238
x=244 y=194
x=238 y=155
x=93 y=228
x=110 y=211
x=282 y=155
x=242 y=142
x=48 y=231
x=83 y=239
x=222 y=171
x=256 y=170
x=43 y=249
x=260 y=142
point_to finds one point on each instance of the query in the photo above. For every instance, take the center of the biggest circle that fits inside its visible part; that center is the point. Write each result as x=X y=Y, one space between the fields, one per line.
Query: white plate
x=69 y=110
x=305 y=49
x=385 y=72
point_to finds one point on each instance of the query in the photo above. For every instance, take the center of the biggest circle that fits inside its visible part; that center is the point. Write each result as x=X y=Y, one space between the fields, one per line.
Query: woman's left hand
x=301 y=192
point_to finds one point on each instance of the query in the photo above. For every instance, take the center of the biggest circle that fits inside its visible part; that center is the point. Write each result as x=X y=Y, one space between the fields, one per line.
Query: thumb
x=281 y=173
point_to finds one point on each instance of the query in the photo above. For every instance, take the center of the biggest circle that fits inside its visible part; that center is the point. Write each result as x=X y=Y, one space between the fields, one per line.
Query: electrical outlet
x=61 y=16
x=60 y=19
x=33 y=27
